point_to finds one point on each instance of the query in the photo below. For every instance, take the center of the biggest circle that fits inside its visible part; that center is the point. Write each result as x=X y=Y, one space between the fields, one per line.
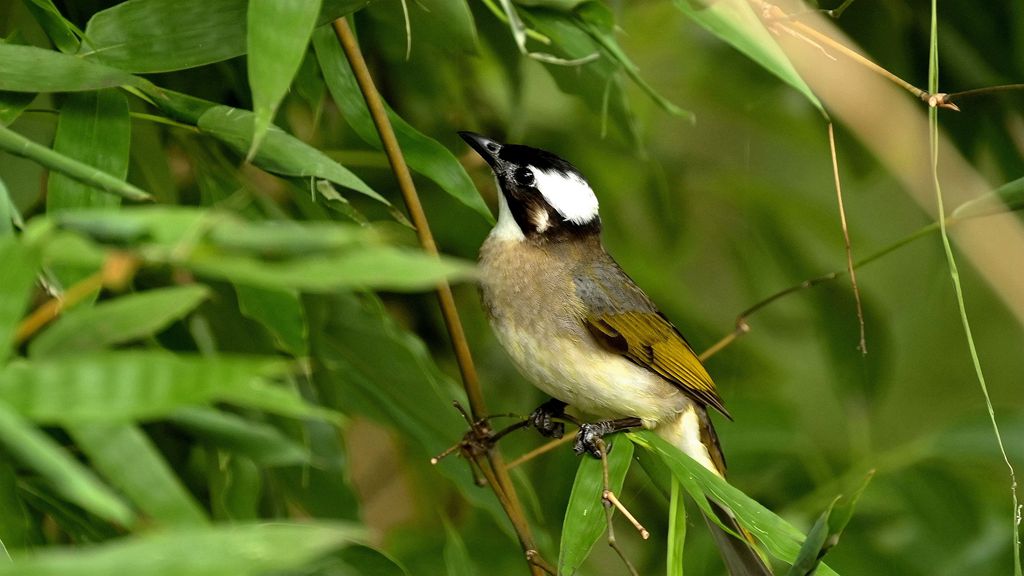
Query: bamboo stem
x=495 y=470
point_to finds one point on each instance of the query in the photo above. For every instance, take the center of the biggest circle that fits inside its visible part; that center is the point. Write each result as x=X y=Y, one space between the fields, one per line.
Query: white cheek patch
x=568 y=194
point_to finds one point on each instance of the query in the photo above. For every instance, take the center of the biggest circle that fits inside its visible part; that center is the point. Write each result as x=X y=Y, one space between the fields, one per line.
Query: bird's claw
x=543 y=419
x=587 y=438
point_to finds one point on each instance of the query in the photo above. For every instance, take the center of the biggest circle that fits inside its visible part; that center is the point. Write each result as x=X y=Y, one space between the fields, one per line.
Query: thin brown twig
x=863 y=345
x=494 y=468
x=776 y=18
x=542 y=449
x=607 y=505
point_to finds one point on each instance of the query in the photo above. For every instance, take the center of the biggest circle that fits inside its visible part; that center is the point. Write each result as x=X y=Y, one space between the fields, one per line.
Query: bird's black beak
x=487 y=149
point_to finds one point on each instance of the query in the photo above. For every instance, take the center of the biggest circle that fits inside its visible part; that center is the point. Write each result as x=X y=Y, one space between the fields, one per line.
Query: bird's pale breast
x=530 y=298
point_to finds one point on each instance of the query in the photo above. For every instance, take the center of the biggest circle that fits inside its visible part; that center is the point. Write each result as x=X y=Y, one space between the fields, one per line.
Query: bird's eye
x=523 y=177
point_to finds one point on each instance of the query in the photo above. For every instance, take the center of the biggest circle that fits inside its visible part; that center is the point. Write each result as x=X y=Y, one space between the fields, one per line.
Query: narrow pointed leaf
x=116 y=321
x=456 y=556
x=424 y=155
x=735 y=22
x=34 y=69
x=17 y=526
x=69 y=478
x=160 y=36
x=127 y=458
x=278 y=33
x=93 y=128
x=676 y=531
x=1008 y=197
x=280 y=152
x=585 y=520
x=17 y=277
x=281 y=312
x=374 y=268
x=141 y=385
x=260 y=442
x=779 y=536
x=238 y=550
x=60 y=31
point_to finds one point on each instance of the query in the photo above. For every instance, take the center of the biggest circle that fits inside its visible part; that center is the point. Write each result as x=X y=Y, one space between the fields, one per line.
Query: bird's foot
x=543 y=418
x=589 y=433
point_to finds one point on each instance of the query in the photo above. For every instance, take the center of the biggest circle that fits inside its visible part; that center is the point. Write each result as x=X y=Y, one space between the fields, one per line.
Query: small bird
x=580 y=328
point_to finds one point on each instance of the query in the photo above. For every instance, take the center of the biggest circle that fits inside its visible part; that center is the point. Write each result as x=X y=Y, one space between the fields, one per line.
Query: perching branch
x=490 y=462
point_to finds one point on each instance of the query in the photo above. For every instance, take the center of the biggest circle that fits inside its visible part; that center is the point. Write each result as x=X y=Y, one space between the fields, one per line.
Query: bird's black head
x=542 y=195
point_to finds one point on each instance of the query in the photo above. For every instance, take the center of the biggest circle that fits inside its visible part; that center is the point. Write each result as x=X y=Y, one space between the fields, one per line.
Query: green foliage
x=245 y=375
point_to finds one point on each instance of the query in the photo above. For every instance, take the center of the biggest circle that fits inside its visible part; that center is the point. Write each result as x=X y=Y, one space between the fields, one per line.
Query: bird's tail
x=693 y=433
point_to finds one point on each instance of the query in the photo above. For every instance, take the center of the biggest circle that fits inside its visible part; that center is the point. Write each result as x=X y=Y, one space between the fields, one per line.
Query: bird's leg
x=591 y=432
x=543 y=418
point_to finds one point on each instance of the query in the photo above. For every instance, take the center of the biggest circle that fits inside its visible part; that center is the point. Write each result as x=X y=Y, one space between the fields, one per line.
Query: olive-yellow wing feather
x=624 y=320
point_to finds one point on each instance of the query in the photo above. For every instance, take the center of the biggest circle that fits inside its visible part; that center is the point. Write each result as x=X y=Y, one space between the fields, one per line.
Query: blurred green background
x=709 y=217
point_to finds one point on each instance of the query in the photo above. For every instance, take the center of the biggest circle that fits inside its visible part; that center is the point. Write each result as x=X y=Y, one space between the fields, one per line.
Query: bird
x=581 y=330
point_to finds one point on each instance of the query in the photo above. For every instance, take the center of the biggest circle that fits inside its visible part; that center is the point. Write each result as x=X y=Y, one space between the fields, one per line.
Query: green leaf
x=456 y=556
x=94 y=128
x=116 y=321
x=826 y=531
x=69 y=478
x=161 y=36
x=142 y=385
x=597 y=20
x=17 y=278
x=780 y=538
x=585 y=519
x=34 y=69
x=262 y=443
x=126 y=457
x=17 y=527
x=235 y=487
x=8 y=212
x=373 y=268
x=676 y=531
x=735 y=22
x=280 y=153
x=423 y=154
x=238 y=550
x=281 y=312
x=12 y=104
x=60 y=31
x=278 y=34
x=1008 y=197
x=18 y=145
x=375 y=368
x=286 y=238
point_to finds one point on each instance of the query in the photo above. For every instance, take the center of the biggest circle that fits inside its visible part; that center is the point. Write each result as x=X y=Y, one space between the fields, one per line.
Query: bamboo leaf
x=142 y=385
x=585 y=520
x=456 y=555
x=374 y=268
x=69 y=478
x=239 y=550
x=260 y=442
x=116 y=321
x=279 y=31
x=424 y=155
x=94 y=128
x=127 y=458
x=17 y=278
x=1007 y=198
x=17 y=527
x=780 y=538
x=735 y=22
x=280 y=153
x=34 y=69
x=281 y=312
x=160 y=36
x=18 y=145
x=676 y=530
x=60 y=31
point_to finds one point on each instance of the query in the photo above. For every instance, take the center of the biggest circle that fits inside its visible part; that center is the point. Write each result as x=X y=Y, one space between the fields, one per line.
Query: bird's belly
x=576 y=371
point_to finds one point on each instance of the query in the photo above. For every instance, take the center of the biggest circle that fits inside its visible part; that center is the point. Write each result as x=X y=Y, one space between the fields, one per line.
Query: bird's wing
x=623 y=320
